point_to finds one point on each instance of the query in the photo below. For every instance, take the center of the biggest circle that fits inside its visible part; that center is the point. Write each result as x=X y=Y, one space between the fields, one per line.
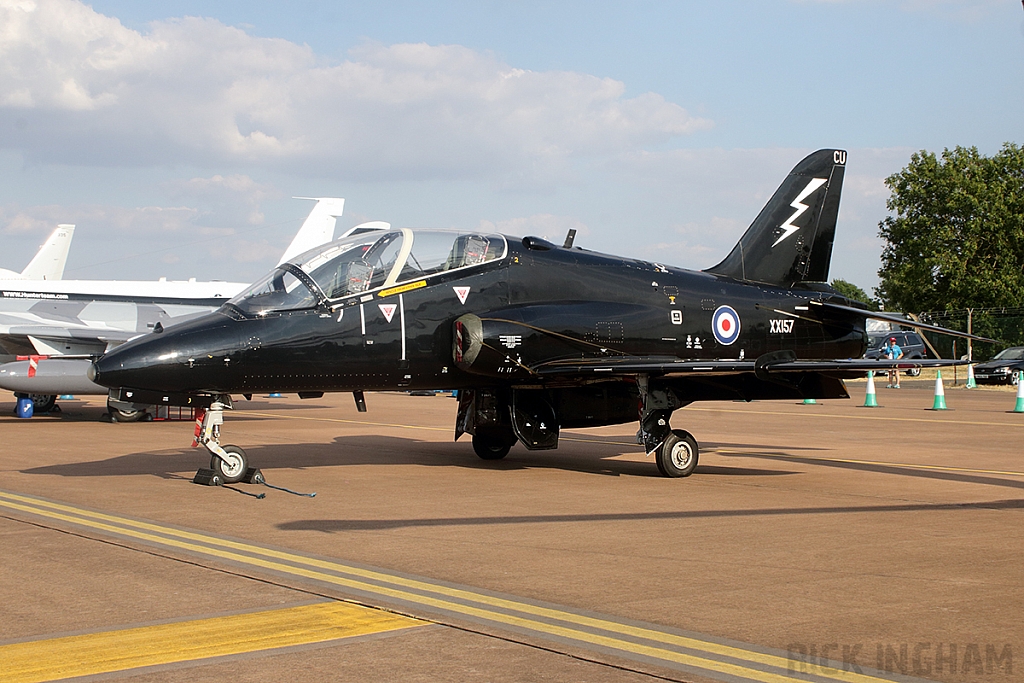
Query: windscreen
x=278 y=291
x=1015 y=353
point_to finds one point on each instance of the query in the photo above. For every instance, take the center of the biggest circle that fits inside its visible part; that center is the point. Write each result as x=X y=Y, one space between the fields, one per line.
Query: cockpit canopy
x=365 y=262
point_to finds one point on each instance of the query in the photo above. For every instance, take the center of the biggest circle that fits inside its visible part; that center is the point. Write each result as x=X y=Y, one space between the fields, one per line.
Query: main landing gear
x=677 y=455
x=227 y=462
x=675 y=451
x=491 y=447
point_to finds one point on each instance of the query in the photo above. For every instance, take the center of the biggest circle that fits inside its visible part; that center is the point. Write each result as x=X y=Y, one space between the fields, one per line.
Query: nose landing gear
x=228 y=462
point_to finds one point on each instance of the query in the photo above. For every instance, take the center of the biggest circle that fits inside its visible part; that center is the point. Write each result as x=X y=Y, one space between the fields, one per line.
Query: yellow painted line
x=186 y=641
x=775 y=454
x=877 y=418
x=224 y=550
x=902 y=465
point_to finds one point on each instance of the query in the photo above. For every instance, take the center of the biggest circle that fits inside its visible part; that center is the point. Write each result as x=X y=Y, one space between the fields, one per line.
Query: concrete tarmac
x=887 y=540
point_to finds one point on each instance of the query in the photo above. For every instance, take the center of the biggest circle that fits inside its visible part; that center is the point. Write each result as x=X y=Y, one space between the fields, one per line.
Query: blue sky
x=174 y=133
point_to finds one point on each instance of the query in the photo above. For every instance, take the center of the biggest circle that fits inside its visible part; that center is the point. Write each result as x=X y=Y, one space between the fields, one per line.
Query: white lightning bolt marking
x=788 y=228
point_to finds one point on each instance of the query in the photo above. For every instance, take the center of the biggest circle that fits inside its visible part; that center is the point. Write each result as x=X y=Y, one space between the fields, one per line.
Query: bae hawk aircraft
x=537 y=337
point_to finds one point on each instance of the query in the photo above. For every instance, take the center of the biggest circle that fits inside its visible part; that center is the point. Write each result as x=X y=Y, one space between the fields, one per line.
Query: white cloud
x=222 y=195
x=116 y=242
x=82 y=88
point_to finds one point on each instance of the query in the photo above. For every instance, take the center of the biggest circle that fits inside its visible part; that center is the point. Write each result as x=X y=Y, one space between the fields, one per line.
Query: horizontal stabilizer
x=899 y=320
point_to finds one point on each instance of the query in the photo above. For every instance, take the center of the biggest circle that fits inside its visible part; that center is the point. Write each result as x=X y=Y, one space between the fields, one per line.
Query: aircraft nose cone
x=138 y=365
x=196 y=356
x=92 y=373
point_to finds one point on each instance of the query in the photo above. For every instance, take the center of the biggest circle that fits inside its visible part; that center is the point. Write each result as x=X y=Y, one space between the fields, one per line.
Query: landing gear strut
x=229 y=462
x=675 y=451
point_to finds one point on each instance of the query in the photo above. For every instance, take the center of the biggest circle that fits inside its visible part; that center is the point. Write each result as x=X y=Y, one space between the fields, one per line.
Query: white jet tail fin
x=317 y=229
x=49 y=262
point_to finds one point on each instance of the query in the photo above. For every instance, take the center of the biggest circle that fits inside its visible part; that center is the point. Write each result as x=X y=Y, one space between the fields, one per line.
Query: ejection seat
x=468 y=250
x=351 y=277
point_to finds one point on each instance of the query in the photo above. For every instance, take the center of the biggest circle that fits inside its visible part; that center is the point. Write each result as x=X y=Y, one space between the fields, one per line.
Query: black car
x=1002 y=369
x=910 y=342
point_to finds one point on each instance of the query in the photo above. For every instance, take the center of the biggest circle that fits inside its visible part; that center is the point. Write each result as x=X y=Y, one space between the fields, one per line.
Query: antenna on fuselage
x=569 y=238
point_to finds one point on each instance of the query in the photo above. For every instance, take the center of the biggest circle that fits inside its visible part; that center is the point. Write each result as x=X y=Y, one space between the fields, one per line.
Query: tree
x=955 y=238
x=852 y=291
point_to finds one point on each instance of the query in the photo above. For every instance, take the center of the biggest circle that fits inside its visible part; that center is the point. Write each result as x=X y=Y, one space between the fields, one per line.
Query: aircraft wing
x=20 y=336
x=67 y=328
x=666 y=366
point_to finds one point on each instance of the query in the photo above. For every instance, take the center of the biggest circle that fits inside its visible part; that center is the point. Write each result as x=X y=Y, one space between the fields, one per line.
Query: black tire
x=43 y=403
x=913 y=372
x=490 y=448
x=118 y=415
x=678 y=455
x=233 y=470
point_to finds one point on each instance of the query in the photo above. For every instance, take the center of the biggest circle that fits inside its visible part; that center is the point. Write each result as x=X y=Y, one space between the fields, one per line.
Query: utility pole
x=970 y=316
x=970 y=350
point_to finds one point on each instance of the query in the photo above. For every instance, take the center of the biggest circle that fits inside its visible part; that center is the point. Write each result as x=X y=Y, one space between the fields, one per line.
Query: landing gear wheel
x=119 y=415
x=490 y=449
x=677 y=456
x=43 y=403
x=234 y=469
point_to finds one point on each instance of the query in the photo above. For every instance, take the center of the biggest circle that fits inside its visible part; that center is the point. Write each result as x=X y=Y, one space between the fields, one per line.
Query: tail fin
x=49 y=261
x=790 y=241
x=317 y=229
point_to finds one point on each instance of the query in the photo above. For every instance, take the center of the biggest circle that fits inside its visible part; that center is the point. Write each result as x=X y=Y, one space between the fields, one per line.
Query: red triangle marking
x=388 y=310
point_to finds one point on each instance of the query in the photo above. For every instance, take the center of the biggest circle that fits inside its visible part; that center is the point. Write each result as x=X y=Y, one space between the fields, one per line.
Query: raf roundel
x=726 y=325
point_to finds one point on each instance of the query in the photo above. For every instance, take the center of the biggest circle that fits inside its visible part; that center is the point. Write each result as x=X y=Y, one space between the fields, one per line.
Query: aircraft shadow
x=381 y=450
x=334 y=525
x=965 y=477
x=389 y=450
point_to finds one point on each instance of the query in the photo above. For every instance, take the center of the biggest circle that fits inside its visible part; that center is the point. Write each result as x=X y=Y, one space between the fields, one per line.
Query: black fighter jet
x=536 y=337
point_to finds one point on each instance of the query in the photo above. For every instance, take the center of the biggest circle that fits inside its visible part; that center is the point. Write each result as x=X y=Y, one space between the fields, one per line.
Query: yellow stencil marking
x=402 y=288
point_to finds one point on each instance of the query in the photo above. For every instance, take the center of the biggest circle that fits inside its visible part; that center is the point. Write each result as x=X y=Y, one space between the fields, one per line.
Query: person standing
x=893 y=352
